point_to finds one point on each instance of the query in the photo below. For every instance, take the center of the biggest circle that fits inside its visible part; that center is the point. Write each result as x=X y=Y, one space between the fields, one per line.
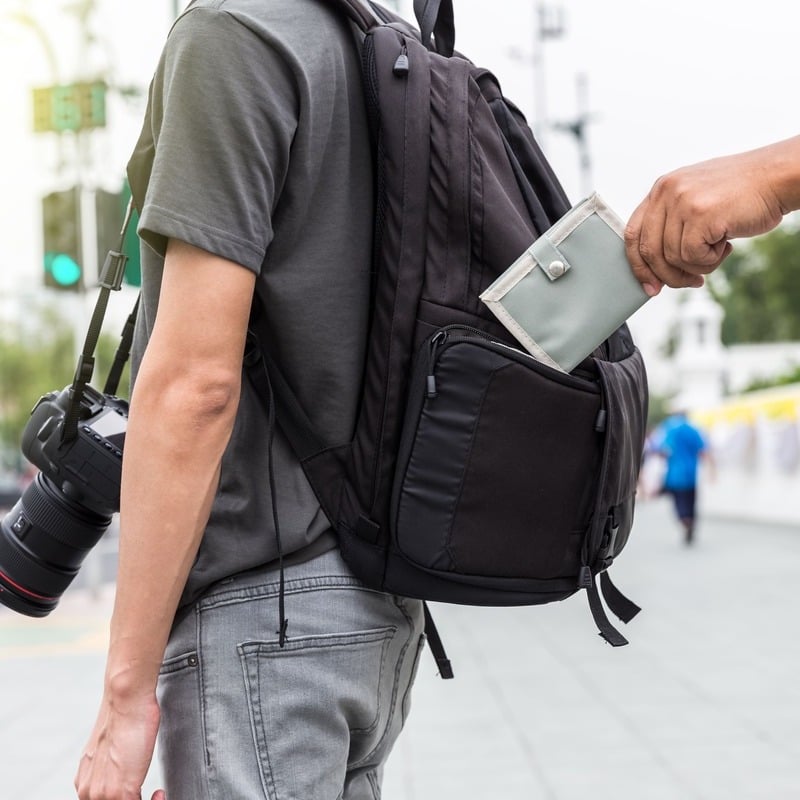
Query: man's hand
x=118 y=753
x=680 y=232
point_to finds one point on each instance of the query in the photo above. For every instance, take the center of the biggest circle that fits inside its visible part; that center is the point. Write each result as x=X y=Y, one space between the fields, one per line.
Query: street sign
x=73 y=107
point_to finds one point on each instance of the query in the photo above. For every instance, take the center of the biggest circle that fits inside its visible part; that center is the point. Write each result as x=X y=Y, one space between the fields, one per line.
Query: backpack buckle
x=585 y=580
x=609 y=535
x=367 y=529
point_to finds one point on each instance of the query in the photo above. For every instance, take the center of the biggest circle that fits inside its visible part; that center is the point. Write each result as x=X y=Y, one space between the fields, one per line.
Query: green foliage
x=658 y=409
x=793 y=376
x=758 y=288
x=32 y=364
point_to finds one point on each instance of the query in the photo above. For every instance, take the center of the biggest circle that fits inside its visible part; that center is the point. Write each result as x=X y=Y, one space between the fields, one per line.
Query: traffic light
x=79 y=106
x=110 y=208
x=131 y=248
x=108 y=215
x=61 y=228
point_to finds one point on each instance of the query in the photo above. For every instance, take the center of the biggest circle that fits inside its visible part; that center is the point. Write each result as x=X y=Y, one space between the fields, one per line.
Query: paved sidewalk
x=703 y=705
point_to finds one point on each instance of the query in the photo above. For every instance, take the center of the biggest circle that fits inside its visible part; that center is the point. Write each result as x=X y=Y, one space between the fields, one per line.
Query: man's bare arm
x=181 y=417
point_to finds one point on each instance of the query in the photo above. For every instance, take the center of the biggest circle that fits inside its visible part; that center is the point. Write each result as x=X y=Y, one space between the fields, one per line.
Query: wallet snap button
x=556 y=268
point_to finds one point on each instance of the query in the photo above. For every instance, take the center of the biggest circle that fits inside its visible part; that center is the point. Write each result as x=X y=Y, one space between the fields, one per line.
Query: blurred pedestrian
x=682 y=445
x=651 y=473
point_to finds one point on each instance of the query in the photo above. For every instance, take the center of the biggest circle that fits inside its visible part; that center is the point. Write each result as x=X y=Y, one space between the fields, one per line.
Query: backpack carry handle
x=435 y=18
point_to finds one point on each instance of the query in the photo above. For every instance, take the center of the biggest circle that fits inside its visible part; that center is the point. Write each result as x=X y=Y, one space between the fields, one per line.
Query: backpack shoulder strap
x=318 y=458
x=435 y=19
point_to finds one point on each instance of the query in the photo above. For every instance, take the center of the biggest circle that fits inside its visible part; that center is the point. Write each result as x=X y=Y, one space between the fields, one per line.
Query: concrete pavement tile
x=620 y=777
x=703 y=705
x=721 y=771
x=690 y=676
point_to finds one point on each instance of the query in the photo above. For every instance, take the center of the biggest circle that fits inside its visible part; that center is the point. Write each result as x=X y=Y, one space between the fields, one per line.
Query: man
x=682 y=445
x=681 y=230
x=252 y=174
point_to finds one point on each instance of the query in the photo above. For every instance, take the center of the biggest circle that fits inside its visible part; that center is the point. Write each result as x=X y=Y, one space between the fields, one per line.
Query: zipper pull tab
x=438 y=339
x=400 y=68
x=600 y=421
x=585 y=580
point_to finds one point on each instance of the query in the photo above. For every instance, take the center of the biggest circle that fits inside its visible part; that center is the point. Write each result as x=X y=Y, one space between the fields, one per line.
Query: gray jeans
x=243 y=718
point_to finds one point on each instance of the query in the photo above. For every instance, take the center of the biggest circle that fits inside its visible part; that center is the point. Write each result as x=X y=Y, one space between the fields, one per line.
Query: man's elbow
x=215 y=397
x=201 y=397
x=212 y=396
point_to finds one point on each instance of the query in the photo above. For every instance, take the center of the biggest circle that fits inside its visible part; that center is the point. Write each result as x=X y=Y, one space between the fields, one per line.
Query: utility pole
x=549 y=24
x=577 y=127
x=85 y=157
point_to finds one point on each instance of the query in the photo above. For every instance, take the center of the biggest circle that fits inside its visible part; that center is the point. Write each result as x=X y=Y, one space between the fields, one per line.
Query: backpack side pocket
x=497 y=475
x=624 y=385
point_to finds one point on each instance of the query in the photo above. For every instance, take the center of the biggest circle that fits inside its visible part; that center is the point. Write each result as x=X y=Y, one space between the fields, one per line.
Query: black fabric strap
x=110 y=280
x=273 y=388
x=435 y=18
x=435 y=643
x=123 y=351
x=319 y=460
x=622 y=607
x=604 y=626
x=259 y=374
x=111 y=277
x=84 y=370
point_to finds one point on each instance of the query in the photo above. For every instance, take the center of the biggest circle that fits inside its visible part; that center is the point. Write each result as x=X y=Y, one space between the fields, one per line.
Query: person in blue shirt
x=682 y=445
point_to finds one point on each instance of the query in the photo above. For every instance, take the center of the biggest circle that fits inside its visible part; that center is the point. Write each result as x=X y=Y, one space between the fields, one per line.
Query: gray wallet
x=571 y=289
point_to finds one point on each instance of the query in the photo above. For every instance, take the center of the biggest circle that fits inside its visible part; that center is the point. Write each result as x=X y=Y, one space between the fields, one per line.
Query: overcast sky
x=668 y=83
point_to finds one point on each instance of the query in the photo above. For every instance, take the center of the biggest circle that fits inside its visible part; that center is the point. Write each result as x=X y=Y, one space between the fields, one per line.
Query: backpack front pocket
x=497 y=469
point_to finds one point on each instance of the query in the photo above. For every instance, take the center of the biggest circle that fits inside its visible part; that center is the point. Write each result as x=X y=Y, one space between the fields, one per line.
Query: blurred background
x=618 y=93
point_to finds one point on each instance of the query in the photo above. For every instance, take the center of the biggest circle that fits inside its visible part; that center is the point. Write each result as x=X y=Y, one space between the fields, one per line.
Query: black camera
x=69 y=505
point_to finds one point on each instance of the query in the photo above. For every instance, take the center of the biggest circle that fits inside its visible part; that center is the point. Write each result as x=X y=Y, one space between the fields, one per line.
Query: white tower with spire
x=699 y=357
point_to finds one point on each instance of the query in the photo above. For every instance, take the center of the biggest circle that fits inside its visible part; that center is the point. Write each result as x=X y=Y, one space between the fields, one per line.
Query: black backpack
x=475 y=474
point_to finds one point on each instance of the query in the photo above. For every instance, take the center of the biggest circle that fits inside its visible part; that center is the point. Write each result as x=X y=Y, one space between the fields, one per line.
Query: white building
x=702 y=371
x=754 y=436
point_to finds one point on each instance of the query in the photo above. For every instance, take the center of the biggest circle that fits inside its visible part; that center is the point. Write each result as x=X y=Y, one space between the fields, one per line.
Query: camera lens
x=43 y=542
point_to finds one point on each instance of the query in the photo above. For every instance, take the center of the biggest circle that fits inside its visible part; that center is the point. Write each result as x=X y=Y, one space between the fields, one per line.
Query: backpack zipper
x=433 y=345
x=401 y=66
x=453 y=334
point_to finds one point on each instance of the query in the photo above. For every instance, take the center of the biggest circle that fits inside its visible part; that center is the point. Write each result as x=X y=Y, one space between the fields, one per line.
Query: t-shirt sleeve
x=223 y=113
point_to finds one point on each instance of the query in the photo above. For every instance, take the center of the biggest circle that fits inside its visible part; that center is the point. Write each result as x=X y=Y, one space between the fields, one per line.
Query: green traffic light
x=65 y=270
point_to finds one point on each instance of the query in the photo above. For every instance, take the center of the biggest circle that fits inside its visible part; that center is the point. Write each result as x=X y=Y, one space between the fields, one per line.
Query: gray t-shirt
x=255 y=148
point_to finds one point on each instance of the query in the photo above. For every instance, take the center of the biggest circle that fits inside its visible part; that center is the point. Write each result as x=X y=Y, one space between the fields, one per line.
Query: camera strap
x=123 y=351
x=110 y=280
